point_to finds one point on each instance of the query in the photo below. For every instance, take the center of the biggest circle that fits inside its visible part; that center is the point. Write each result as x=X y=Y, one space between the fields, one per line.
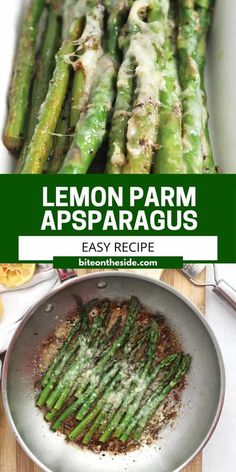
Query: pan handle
x=66 y=274
x=225 y=291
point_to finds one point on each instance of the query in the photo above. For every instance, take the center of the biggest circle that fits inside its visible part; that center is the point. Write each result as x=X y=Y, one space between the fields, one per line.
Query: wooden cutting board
x=13 y=459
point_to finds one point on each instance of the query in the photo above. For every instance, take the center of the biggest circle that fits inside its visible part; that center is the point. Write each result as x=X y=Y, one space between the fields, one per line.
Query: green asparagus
x=110 y=373
x=190 y=81
x=92 y=125
x=70 y=346
x=127 y=88
x=81 y=362
x=41 y=143
x=154 y=402
x=44 y=71
x=126 y=425
x=133 y=398
x=204 y=12
x=116 y=345
x=22 y=77
x=89 y=50
x=169 y=155
x=147 y=41
x=121 y=115
x=61 y=141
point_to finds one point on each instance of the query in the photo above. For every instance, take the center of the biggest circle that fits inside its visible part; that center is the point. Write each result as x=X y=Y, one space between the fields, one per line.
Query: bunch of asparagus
x=106 y=376
x=117 y=81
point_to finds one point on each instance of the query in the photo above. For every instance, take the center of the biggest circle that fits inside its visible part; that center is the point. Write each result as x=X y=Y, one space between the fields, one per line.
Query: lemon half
x=14 y=275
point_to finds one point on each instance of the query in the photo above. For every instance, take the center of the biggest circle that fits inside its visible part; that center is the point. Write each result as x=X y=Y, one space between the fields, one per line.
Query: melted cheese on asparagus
x=90 y=50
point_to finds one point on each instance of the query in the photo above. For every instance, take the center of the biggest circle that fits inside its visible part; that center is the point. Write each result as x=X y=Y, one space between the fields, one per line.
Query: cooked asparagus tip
x=68 y=383
x=155 y=401
x=137 y=395
x=42 y=141
x=64 y=355
x=22 y=77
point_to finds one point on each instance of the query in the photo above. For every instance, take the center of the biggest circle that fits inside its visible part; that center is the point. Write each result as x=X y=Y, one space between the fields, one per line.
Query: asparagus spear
x=22 y=77
x=114 y=401
x=41 y=144
x=77 y=96
x=61 y=141
x=82 y=361
x=97 y=386
x=80 y=323
x=126 y=425
x=190 y=81
x=44 y=71
x=104 y=409
x=122 y=108
x=146 y=44
x=71 y=9
x=96 y=410
x=203 y=8
x=66 y=389
x=91 y=128
x=70 y=346
x=131 y=348
x=169 y=156
x=137 y=345
x=134 y=395
x=121 y=115
x=89 y=51
x=99 y=324
x=92 y=392
x=116 y=345
x=57 y=371
x=90 y=400
x=155 y=400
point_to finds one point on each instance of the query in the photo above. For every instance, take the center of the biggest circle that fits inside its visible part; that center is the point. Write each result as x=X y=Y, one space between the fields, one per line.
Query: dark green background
x=22 y=211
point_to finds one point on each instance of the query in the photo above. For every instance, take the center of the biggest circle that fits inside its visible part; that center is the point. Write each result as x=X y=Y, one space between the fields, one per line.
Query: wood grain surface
x=13 y=459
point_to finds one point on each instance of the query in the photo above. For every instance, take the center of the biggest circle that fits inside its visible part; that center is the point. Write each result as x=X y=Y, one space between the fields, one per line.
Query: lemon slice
x=14 y=275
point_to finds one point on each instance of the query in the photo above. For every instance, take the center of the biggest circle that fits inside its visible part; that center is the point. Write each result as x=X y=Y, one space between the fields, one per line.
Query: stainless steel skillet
x=202 y=398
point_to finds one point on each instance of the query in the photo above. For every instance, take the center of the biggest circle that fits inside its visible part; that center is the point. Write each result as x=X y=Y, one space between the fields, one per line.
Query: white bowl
x=220 y=78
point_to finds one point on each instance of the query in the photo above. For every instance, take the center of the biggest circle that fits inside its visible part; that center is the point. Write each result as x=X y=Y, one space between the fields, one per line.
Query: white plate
x=221 y=73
